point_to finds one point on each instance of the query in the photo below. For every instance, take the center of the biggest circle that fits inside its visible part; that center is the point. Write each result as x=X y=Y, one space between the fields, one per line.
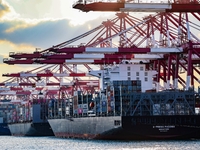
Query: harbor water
x=53 y=143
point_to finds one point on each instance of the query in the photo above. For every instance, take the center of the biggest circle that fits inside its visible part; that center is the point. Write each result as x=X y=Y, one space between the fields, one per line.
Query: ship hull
x=30 y=129
x=128 y=128
x=4 y=130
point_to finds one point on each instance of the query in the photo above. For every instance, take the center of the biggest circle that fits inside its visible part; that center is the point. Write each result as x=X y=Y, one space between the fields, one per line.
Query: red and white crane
x=138 y=5
x=53 y=81
x=166 y=42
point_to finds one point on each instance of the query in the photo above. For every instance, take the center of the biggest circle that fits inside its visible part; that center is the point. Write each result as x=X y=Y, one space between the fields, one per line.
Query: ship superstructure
x=126 y=71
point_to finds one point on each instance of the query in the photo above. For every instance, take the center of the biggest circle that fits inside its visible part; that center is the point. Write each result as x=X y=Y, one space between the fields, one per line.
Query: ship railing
x=20 y=121
x=97 y=114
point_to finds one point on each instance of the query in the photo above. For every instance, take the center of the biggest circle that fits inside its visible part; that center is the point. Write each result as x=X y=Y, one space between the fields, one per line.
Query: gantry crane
x=180 y=6
x=53 y=81
x=165 y=42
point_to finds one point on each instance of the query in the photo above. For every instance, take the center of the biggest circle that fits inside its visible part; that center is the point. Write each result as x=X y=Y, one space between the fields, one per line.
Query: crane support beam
x=103 y=61
x=45 y=75
x=134 y=50
x=146 y=7
x=188 y=6
x=24 y=55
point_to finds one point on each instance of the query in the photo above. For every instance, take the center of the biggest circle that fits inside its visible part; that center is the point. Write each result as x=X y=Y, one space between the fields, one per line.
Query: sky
x=29 y=24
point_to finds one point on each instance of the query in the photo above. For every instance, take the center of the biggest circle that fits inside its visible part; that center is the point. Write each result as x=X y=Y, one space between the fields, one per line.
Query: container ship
x=127 y=107
x=6 y=109
x=29 y=119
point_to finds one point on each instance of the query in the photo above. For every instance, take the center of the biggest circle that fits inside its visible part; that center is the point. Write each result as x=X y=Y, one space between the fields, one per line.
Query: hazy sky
x=29 y=24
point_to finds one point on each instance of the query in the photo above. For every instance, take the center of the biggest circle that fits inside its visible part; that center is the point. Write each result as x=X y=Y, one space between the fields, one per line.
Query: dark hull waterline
x=30 y=129
x=131 y=128
x=4 y=130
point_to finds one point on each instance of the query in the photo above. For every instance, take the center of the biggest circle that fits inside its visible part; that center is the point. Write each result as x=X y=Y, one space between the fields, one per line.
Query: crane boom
x=138 y=5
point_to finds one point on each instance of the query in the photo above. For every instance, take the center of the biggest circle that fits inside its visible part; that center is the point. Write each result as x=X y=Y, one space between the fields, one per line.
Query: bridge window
x=117 y=122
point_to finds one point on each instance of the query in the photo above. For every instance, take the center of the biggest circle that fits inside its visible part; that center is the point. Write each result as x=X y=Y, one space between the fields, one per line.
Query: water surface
x=53 y=143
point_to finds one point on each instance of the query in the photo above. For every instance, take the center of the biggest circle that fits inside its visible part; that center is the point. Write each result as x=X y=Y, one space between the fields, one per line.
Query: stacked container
x=123 y=89
x=6 y=111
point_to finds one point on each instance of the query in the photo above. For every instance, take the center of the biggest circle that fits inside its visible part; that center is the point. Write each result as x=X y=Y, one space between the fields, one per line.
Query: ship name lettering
x=163 y=127
x=165 y=120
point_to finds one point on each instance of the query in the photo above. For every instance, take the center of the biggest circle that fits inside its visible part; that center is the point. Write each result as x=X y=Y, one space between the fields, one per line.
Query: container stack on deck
x=22 y=112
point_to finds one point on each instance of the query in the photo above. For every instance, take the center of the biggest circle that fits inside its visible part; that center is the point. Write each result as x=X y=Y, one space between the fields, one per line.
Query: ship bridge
x=138 y=5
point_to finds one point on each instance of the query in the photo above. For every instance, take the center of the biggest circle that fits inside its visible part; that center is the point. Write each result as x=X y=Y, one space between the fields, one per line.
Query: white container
x=156 y=109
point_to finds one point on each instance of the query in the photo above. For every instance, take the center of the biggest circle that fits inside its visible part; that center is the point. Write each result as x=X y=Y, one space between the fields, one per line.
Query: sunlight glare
x=78 y=17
